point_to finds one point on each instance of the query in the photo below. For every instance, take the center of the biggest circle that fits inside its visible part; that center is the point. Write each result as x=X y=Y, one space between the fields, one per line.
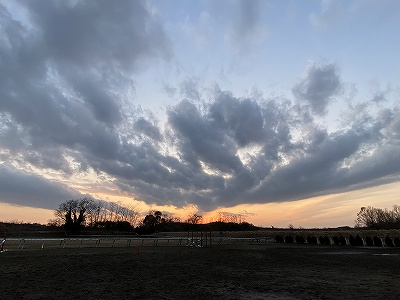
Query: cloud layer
x=67 y=106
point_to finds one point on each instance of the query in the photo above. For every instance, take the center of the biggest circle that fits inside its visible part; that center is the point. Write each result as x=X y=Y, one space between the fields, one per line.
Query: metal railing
x=95 y=242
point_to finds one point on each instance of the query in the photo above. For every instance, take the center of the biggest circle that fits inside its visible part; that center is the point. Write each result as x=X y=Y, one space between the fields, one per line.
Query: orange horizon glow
x=333 y=210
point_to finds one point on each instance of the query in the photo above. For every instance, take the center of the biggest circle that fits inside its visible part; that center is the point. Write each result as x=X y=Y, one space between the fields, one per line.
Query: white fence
x=95 y=242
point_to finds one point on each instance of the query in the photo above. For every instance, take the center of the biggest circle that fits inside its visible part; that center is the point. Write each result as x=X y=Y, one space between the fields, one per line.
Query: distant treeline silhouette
x=157 y=222
x=377 y=218
x=90 y=214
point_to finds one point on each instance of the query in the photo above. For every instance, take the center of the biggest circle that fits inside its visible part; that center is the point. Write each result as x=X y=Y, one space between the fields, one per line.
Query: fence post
x=21 y=244
x=2 y=245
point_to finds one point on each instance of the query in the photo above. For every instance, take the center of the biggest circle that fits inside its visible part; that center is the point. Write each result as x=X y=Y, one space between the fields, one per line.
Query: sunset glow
x=277 y=112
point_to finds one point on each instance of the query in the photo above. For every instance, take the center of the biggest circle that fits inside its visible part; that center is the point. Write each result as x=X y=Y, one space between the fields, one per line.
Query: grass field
x=263 y=271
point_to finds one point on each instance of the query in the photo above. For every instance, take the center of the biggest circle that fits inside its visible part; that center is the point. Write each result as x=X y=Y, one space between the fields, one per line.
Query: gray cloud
x=207 y=142
x=102 y=34
x=318 y=87
x=147 y=128
x=313 y=171
x=63 y=108
x=243 y=118
x=27 y=189
x=63 y=70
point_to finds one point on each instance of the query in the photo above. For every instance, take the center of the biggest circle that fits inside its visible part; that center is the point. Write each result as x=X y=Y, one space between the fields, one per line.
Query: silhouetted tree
x=378 y=218
x=150 y=223
x=115 y=225
x=77 y=213
x=73 y=214
x=227 y=217
x=194 y=219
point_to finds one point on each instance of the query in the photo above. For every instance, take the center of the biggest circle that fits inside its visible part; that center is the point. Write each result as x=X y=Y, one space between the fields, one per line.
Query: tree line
x=77 y=214
x=378 y=218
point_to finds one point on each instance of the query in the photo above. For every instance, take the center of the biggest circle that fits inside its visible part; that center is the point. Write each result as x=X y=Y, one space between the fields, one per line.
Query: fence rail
x=42 y=243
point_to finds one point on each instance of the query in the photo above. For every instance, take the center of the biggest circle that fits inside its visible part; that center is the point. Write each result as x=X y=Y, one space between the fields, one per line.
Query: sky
x=285 y=112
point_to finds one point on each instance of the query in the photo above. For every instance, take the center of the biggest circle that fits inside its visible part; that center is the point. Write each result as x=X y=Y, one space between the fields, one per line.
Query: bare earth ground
x=265 y=271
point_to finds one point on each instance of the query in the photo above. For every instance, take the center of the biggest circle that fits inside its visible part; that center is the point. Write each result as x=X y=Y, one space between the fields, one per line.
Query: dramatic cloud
x=71 y=32
x=62 y=99
x=68 y=107
x=25 y=189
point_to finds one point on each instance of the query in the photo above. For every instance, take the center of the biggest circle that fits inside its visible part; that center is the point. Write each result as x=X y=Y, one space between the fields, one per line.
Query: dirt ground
x=267 y=271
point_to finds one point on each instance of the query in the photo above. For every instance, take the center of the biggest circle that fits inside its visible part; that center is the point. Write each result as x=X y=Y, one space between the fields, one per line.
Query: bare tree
x=194 y=218
x=371 y=217
x=73 y=213
x=396 y=213
x=229 y=217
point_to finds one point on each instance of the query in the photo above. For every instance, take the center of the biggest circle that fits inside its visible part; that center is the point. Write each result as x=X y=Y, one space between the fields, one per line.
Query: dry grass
x=265 y=271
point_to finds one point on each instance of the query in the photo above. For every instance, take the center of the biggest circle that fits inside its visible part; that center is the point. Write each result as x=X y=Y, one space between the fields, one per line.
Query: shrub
x=324 y=240
x=396 y=242
x=336 y=240
x=279 y=238
x=115 y=225
x=289 y=239
x=388 y=241
x=312 y=240
x=377 y=241
x=342 y=241
x=359 y=241
x=299 y=239
x=369 y=241
x=352 y=241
